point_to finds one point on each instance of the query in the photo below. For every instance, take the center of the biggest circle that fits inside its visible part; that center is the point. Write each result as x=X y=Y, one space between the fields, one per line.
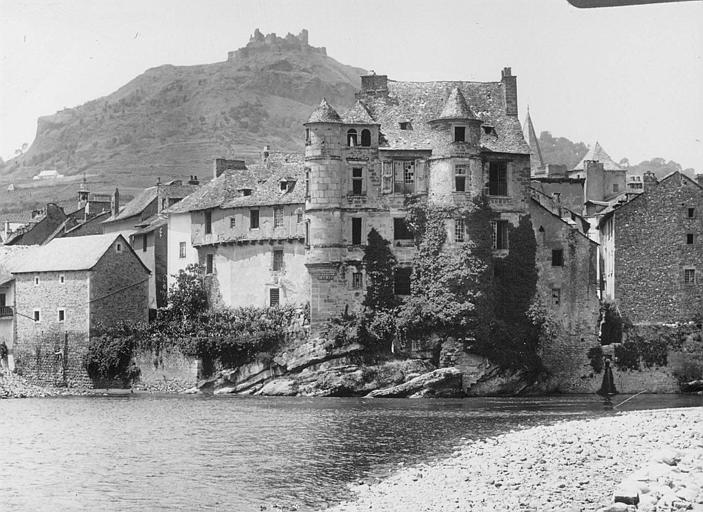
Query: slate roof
x=324 y=113
x=358 y=115
x=73 y=253
x=263 y=178
x=152 y=223
x=136 y=205
x=598 y=154
x=10 y=256
x=421 y=102
x=455 y=107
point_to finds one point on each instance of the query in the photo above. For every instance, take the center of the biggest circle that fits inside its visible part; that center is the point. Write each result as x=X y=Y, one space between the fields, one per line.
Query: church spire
x=536 y=160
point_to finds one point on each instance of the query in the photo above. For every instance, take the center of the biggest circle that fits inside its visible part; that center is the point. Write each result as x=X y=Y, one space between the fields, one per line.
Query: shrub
x=109 y=359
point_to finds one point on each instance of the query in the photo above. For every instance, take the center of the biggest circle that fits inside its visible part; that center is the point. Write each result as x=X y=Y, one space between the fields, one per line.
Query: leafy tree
x=379 y=263
x=187 y=297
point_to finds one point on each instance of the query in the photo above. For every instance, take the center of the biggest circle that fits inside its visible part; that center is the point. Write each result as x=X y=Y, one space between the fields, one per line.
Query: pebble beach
x=645 y=461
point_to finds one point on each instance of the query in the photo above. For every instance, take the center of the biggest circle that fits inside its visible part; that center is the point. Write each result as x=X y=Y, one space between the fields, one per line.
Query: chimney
x=649 y=180
x=221 y=165
x=699 y=179
x=265 y=153
x=374 y=83
x=509 y=91
x=193 y=180
x=115 y=203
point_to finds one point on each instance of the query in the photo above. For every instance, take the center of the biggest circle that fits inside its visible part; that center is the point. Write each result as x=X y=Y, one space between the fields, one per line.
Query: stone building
x=443 y=142
x=246 y=228
x=63 y=290
x=652 y=252
x=142 y=222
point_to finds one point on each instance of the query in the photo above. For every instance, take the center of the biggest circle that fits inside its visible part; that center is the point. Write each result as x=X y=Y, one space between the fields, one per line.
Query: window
x=307 y=135
x=253 y=219
x=208 y=222
x=307 y=234
x=689 y=276
x=460 y=174
x=307 y=183
x=556 y=296
x=357 y=181
x=557 y=257
x=401 y=231
x=401 y=280
x=37 y=315
x=404 y=176
x=365 y=138
x=209 y=264
x=62 y=279
x=118 y=247
x=246 y=191
x=2 y=300
x=351 y=138
x=181 y=249
x=356 y=230
x=299 y=217
x=386 y=177
x=498 y=179
x=61 y=315
x=274 y=297
x=144 y=240
x=357 y=280
x=616 y=187
x=278 y=260
x=460 y=134
x=277 y=216
x=232 y=222
x=689 y=238
x=405 y=125
x=500 y=234
x=459 y=230
x=691 y=213
x=36 y=280
x=283 y=186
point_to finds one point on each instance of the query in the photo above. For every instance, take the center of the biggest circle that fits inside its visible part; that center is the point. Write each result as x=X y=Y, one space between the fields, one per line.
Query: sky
x=628 y=77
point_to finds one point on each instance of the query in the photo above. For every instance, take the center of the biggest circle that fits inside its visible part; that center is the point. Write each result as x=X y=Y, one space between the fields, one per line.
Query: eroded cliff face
x=180 y=117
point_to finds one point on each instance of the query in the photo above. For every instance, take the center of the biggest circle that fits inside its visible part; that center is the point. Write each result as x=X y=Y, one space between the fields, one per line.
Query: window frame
x=232 y=222
x=181 y=250
x=277 y=292
x=690 y=239
x=558 y=257
x=36 y=280
x=365 y=138
x=556 y=296
x=689 y=271
x=62 y=279
x=463 y=176
x=500 y=227
x=402 y=272
x=278 y=217
x=144 y=242
x=357 y=225
x=459 y=129
x=254 y=214
x=208 y=221
x=498 y=187
x=352 y=138
x=209 y=264
x=357 y=181
x=36 y=315
x=277 y=260
x=459 y=230
x=357 y=281
x=401 y=230
x=59 y=312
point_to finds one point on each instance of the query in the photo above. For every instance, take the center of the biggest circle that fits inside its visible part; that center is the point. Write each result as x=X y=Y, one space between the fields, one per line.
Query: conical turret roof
x=456 y=107
x=358 y=114
x=528 y=130
x=598 y=154
x=324 y=113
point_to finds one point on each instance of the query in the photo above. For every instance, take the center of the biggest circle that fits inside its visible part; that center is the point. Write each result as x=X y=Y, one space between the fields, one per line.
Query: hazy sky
x=629 y=77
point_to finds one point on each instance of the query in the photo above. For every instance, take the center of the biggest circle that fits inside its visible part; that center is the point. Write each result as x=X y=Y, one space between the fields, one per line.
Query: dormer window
x=460 y=134
x=489 y=130
x=351 y=138
x=405 y=125
x=284 y=186
x=246 y=191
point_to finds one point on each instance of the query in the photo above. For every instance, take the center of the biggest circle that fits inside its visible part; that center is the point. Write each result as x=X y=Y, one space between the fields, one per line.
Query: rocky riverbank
x=652 y=458
x=14 y=386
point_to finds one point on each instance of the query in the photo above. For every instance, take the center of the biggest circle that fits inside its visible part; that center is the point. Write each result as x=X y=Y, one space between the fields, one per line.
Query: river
x=164 y=452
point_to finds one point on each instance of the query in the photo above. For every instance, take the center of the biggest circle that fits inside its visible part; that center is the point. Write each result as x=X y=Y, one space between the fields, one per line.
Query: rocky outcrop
x=440 y=383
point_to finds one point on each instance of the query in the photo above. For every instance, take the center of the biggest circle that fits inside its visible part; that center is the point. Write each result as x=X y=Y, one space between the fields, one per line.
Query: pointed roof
x=598 y=154
x=531 y=137
x=358 y=114
x=456 y=107
x=324 y=113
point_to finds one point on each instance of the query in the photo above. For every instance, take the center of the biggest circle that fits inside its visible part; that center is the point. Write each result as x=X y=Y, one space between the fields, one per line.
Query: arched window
x=351 y=138
x=366 y=137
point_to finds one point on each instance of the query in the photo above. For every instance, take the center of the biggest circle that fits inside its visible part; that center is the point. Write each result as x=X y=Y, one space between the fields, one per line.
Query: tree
x=187 y=297
x=379 y=263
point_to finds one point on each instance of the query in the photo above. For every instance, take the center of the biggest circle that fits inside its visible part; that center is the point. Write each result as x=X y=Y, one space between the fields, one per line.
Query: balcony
x=6 y=312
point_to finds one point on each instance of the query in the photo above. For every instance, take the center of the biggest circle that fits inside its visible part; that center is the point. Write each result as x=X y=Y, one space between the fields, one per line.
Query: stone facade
x=57 y=309
x=652 y=250
x=404 y=142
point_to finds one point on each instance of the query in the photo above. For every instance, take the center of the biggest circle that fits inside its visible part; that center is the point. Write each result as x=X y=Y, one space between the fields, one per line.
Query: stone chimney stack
x=509 y=91
x=649 y=180
x=265 y=154
x=193 y=180
x=221 y=165
x=374 y=84
x=115 y=203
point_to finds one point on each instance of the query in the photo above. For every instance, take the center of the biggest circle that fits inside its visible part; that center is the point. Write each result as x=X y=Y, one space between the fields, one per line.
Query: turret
x=460 y=124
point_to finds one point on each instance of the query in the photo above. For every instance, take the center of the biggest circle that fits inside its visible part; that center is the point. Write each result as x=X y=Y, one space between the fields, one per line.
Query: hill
x=173 y=120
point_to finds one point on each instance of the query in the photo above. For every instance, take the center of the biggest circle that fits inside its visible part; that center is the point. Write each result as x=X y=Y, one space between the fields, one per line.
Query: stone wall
x=651 y=253
x=167 y=371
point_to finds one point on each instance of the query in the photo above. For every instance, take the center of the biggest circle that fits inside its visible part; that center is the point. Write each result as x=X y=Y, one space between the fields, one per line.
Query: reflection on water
x=146 y=452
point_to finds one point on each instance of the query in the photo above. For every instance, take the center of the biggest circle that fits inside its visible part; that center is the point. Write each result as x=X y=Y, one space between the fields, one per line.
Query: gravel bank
x=571 y=466
x=14 y=386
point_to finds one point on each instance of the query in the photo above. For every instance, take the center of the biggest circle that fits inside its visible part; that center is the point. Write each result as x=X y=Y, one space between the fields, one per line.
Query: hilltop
x=173 y=120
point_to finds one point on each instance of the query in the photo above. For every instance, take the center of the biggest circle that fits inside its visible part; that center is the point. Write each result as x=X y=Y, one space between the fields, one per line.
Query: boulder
x=279 y=387
x=627 y=493
x=667 y=456
x=443 y=382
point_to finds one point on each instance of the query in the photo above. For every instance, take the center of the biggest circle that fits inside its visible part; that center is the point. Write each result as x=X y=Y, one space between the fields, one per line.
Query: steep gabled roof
x=422 y=102
x=324 y=113
x=269 y=191
x=598 y=154
x=211 y=195
x=358 y=114
x=456 y=107
x=10 y=257
x=536 y=160
x=67 y=254
x=136 y=205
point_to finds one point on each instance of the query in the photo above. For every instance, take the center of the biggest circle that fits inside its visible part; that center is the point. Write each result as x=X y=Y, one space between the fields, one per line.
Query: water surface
x=161 y=452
